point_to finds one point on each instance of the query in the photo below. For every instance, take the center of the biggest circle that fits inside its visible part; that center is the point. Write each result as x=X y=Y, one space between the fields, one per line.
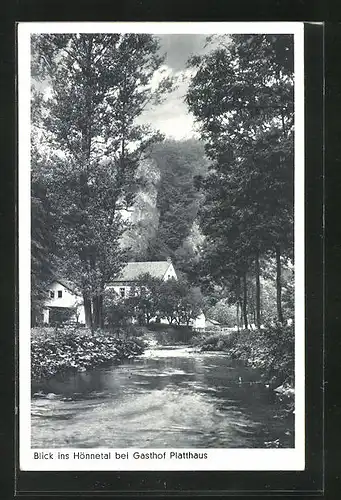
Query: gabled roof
x=213 y=321
x=131 y=272
x=67 y=284
x=157 y=269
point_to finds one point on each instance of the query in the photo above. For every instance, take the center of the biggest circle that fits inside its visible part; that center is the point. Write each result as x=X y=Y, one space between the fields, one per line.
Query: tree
x=269 y=287
x=224 y=313
x=116 y=312
x=42 y=244
x=179 y=302
x=242 y=98
x=190 y=305
x=288 y=293
x=223 y=268
x=144 y=298
x=98 y=84
x=169 y=300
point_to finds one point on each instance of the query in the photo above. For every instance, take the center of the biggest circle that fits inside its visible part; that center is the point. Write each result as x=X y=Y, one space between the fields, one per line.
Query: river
x=169 y=397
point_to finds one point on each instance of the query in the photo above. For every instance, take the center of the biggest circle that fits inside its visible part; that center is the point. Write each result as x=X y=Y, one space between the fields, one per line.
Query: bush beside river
x=76 y=349
x=271 y=350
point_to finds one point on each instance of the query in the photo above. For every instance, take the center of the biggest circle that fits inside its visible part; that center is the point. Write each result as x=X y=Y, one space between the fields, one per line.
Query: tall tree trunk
x=33 y=317
x=84 y=188
x=97 y=312
x=237 y=315
x=87 y=311
x=258 y=320
x=94 y=312
x=245 y=302
x=100 y=311
x=279 y=284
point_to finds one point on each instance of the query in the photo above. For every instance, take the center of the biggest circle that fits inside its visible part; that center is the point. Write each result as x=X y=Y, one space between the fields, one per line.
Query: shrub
x=76 y=349
x=271 y=350
x=116 y=312
x=218 y=341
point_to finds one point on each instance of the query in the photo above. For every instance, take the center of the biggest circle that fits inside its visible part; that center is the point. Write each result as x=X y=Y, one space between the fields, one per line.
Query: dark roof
x=157 y=269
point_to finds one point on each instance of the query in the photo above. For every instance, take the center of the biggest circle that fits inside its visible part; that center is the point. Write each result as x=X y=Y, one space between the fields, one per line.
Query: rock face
x=144 y=217
x=166 y=179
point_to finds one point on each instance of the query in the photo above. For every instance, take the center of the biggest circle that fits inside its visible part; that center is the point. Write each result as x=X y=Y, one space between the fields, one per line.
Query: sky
x=172 y=117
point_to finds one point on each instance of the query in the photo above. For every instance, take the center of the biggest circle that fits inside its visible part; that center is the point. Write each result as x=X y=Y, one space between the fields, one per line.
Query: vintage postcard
x=161 y=246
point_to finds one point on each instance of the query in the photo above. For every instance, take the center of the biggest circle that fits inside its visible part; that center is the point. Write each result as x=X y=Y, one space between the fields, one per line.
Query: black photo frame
x=311 y=480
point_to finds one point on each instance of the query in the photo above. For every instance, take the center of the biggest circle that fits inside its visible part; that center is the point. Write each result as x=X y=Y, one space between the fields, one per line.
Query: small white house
x=63 y=295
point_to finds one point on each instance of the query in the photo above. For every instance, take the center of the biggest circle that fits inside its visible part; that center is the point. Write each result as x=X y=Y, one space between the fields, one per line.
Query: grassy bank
x=76 y=349
x=271 y=350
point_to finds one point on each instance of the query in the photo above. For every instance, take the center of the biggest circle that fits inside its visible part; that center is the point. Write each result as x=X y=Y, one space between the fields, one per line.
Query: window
x=60 y=294
x=51 y=294
x=122 y=292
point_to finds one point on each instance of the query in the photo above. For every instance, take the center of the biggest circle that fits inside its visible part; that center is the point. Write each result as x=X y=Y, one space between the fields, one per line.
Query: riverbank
x=76 y=349
x=270 y=350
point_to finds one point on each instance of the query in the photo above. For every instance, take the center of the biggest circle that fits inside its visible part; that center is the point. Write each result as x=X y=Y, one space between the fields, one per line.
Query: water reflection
x=167 y=398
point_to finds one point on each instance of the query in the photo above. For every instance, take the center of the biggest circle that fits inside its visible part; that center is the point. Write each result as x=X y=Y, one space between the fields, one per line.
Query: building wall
x=170 y=273
x=67 y=299
x=125 y=288
x=121 y=289
x=199 y=321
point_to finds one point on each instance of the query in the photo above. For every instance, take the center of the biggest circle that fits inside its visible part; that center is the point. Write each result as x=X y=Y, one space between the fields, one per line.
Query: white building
x=129 y=275
x=64 y=297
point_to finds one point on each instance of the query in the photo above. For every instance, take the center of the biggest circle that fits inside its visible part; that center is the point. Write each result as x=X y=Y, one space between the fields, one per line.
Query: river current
x=170 y=397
